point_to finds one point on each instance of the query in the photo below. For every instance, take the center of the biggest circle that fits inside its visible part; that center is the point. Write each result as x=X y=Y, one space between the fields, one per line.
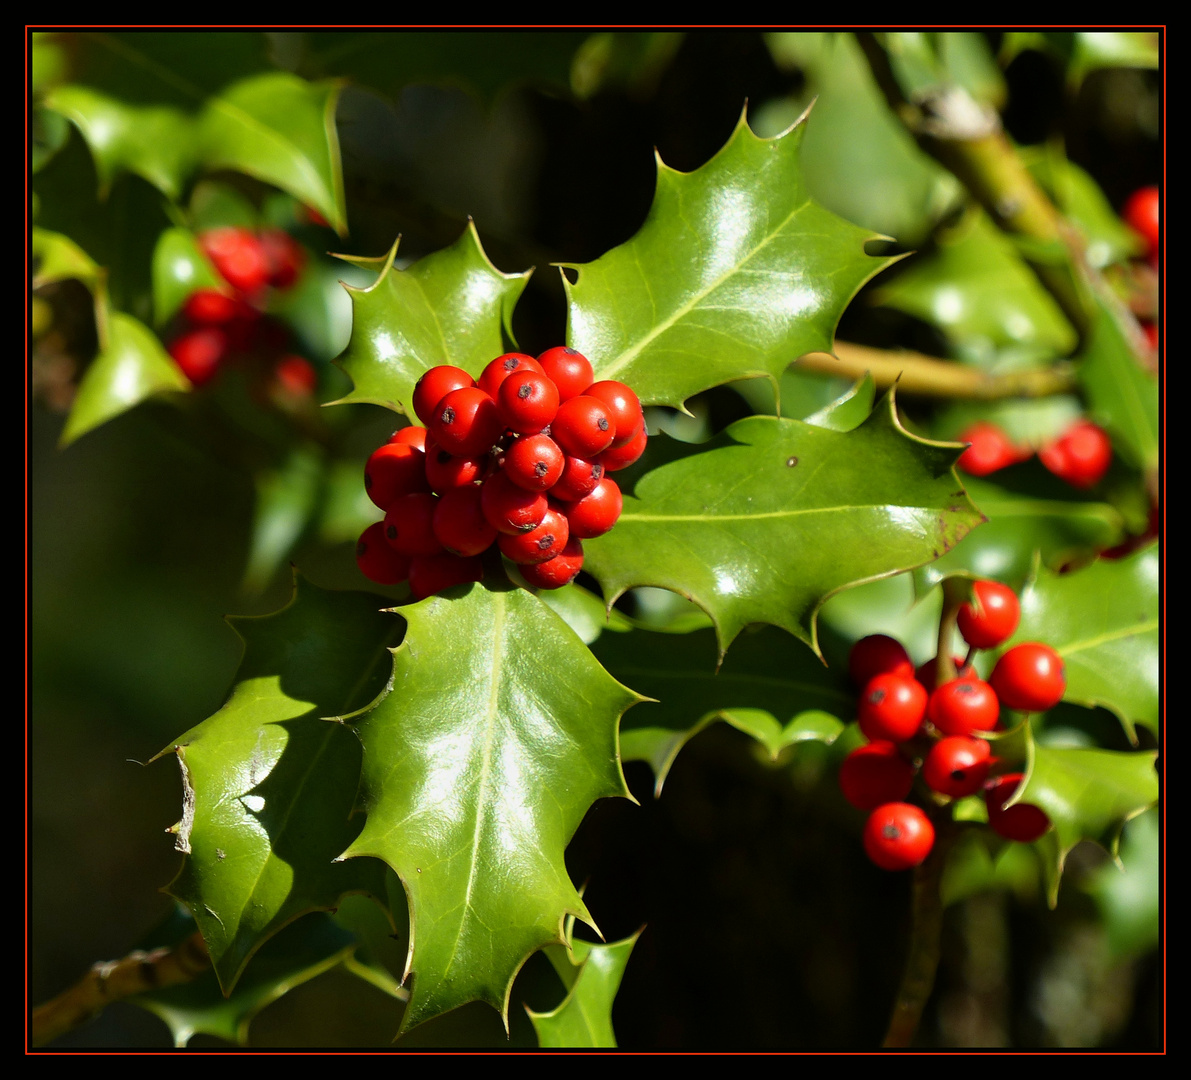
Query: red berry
x=595 y=514
x=579 y=478
x=878 y=654
x=1081 y=455
x=534 y=462
x=1143 y=214
x=990 y=450
x=394 y=470
x=466 y=422
x=284 y=257
x=435 y=385
x=459 y=523
x=540 y=544
x=445 y=471
x=898 y=836
x=409 y=525
x=377 y=560
x=238 y=255
x=891 y=708
x=1030 y=677
x=992 y=615
x=430 y=574
x=199 y=353
x=569 y=370
x=874 y=774
x=511 y=509
x=964 y=705
x=211 y=307
x=957 y=766
x=621 y=457
x=1023 y=822
x=528 y=401
x=493 y=376
x=623 y=407
x=295 y=376
x=557 y=572
x=583 y=427
x=413 y=435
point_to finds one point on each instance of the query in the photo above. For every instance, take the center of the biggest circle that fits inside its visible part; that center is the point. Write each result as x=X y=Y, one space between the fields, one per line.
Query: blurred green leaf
x=179 y=268
x=131 y=366
x=58 y=258
x=286 y=500
x=674 y=310
x=1130 y=895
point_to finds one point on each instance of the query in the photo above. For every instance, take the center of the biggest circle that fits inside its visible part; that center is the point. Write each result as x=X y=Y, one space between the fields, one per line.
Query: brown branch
x=115 y=980
x=930 y=376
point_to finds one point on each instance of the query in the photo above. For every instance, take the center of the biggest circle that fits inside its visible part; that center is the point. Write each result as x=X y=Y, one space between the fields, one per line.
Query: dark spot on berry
x=448 y=415
x=546 y=542
x=791 y=462
x=597 y=471
x=367 y=481
x=524 y=390
x=877 y=696
x=444 y=456
x=602 y=424
x=540 y=468
x=361 y=547
x=891 y=832
x=957 y=774
x=391 y=532
x=965 y=688
x=571 y=352
x=512 y=364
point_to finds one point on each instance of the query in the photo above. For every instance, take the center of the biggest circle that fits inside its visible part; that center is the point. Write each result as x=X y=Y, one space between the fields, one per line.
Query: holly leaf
x=1103 y=622
x=295 y=955
x=764 y=522
x=269 y=782
x=1121 y=394
x=451 y=307
x=734 y=275
x=1050 y=520
x=1129 y=895
x=591 y=973
x=131 y=366
x=769 y=687
x=1088 y=794
x=59 y=258
x=478 y=768
x=287 y=498
x=179 y=268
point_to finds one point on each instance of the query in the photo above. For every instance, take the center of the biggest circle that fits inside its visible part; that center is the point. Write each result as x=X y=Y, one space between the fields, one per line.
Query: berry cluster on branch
x=921 y=728
x=221 y=324
x=517 y=458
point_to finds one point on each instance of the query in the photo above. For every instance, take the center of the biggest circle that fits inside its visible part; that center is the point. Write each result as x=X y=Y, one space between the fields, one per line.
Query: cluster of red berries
x=916 y=727
x=518 y=458
x=1081 y=455
x=223 y=323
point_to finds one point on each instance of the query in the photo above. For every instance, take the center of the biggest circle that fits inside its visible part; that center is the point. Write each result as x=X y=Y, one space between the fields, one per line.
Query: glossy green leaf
x=768 y=519
x=280 y=129
x=1088 y=794
x=58 y=258
x=980 y=863
x=179 y=268
x=297 y=954
x=1130 y=895
x=131 y=366
x=980 y=293
x=850 y=410
x=499 y=732
x=270 y=781
x=1121 y=394
x=1084 y=51
x=451 y=307
x=1103 y=621
x=1053 y=522
x=768 y=686
x=859 y=159
x=591 y=973
x=735 y=273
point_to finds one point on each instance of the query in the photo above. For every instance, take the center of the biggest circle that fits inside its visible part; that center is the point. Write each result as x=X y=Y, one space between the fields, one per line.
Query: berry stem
x=953 y=599
x=922 y=960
